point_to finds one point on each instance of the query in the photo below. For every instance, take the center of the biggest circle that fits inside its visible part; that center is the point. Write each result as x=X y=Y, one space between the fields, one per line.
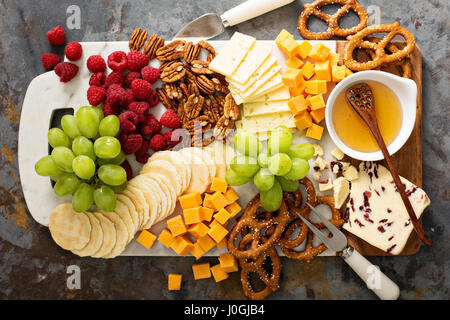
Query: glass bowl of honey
x=395 y=105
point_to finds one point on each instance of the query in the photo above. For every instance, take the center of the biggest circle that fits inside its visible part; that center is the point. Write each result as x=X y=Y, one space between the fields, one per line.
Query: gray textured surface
x=32 y=266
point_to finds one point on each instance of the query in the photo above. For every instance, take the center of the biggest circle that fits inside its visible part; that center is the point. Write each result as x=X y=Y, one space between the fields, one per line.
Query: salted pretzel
x=331 y=20
x=381 y=57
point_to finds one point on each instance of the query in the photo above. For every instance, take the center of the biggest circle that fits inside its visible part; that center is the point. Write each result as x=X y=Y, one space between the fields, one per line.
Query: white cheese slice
x=341 y=189
x=275 y=87
x=376 y=212
x=237 y=98
x=254 y=59
x=279 y=94
x=268 y=122
x=351 y=173
x=272 y=84
x=258 y=108
x=232 y=54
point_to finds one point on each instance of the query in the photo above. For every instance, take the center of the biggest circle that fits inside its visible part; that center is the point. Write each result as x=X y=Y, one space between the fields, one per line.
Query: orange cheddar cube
x=231 y=195
x=318 y=115
x=294 y=92
x=206 y=243
x=219 y=184
x=222 y=244
x=308 y=70
x=192 y=215
x=166 y=238
x=316 y=86
x=319 y=52
x=218 y=201
x=338 y=73
x=176 y=226
x=290 y=47
x=322 y=70
x=218 y=273
x=201 y=271
x=315 y=131
x=294 y=63
x=199 y=230
x=304 y=49
x=207 y=201
x=197 y=251
x=146 y=238
x=206 y=213
x=303 y=120
x=175 y=281
x=217 y=232
x=283 y=36
x=181 y=245
x=228 y=263
x=316 y=102
x=233 y=209
x=190 y=200
x=215 y=222
x=334 y=58
x=222 y=216
x=298 y=104
x=292 y=77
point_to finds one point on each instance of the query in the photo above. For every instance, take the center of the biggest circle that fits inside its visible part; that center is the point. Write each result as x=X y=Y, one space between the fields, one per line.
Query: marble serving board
x=46 y=94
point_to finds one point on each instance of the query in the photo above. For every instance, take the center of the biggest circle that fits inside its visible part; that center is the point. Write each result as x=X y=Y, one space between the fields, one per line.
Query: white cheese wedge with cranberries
x=375 y=211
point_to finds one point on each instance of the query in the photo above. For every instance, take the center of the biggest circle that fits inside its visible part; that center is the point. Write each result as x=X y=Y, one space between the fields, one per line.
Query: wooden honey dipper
x=361 y=98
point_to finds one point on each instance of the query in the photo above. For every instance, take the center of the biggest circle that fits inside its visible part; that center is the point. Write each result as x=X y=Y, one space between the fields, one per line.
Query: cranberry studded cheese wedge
x=375 y=211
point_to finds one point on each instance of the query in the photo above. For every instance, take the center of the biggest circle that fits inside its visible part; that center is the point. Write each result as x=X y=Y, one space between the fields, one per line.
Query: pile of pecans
x=199 y=96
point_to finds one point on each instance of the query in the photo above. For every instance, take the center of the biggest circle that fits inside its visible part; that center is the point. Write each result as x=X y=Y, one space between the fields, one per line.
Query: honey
x=353 y=131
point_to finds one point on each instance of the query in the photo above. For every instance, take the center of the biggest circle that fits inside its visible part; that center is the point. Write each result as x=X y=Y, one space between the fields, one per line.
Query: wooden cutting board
x=408 y=160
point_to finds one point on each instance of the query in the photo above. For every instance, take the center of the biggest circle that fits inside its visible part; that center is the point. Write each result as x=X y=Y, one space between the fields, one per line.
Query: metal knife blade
x=207 y=26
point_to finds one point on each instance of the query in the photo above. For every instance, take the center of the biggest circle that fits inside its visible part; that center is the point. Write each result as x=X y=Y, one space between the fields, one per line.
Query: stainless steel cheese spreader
x=210 y=25
x=376 y=280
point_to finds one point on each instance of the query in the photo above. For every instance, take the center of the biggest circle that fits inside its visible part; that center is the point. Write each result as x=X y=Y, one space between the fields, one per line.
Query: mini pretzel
x=332 y=21
x=357 y=41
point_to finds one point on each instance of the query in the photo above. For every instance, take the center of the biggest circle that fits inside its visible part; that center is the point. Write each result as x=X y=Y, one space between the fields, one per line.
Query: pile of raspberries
x=127 y=92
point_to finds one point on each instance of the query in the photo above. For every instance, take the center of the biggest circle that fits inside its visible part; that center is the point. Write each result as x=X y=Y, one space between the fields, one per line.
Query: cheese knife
x=210 y=25
x=376 y=280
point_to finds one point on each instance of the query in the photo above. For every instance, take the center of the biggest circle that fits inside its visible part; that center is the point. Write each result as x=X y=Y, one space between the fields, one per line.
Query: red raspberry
x=128 y=98
x=143 y=149
x=115 y=94
x=150 y=74
x=170 y=119
x=109 y=109
x=96 y=64
x=143 y=158
x=66 y=71
x=158 y=142
x=131 y=76
x=141 y=109
x=132 y=143
x=97 y=79
x=173 y=137
x=153 y=100
x=150 y=126
x=128 y=122
x=49 y=60
x=73 y=51
x=117 y=61
x=56 y=36
x=126 y=165
x=141 y=89
x=137 y=60
x=96 y=95
x=114 y=77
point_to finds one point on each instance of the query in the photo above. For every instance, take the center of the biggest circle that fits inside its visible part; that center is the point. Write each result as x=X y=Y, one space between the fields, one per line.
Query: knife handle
x=251 y=9
x=376 y=280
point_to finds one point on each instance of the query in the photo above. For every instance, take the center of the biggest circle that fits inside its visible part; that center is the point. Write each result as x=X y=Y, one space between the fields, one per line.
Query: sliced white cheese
x=272 y=84
x=268 y=122
x=337 y=153
x=376 y=212
x=275 y=87
x=279 y=94
x=232 y=54
x=258 y=108
x=351 y=173
x=341 y=189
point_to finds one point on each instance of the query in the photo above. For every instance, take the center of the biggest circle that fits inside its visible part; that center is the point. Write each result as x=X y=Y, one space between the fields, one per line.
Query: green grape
x=288 y=185
x=55 y=178
x=83 y=198
x=244 y=166
x=271 y=199
x=112 y=174
x=99 y=112
x=109 y=126
x=280 y=164
x=263 y=160
x=88 y=122
x=117 y=160
x=63 y=158
x=247 y=143
x=82 y=146
x=57 y=138
x=105 y=198
x=84 y=167
x=120 y=188
x=235 y=179
x=299 y=169
x=280 y=140
x=66 y=184
x=46 y=167
x=264 y=179
x=70 y=126
x=107 y=147
x=303 y=151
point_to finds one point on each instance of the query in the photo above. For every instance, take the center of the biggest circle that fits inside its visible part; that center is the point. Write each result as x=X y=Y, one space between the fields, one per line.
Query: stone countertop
x=33 y=267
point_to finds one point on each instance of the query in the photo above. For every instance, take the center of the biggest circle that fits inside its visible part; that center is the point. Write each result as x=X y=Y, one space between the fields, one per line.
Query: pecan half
x=137 y=39
x=223 y=128
x=180 y=111
x=193 y=106
x=197 y=125
x=218 y=86
x=191 y=52
x=200 y=67
x=230 y=109
x=173 y=91
x=204 y=84
x=171 y=51
x=205 y=45
x=184 y=89
x=165 y=100
x=212 y=109
x=173 y=72
x=152 y=45
x=193 y=89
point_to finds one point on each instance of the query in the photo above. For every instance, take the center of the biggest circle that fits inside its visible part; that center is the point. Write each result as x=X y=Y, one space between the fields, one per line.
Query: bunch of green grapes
x=273 y=171
x=85 y=159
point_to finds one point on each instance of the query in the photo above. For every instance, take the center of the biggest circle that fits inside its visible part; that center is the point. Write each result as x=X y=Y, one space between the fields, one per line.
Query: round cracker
x=139 y=201
x=131 y=210
x=71 y=230
x=122 y=210
x=153 y=186
x=208 y=159
x=200 y=179
x=121 y=234
x=167 y=169
x=168 y=192
x=96 y=239
x=171 y=192
x=109 y=236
